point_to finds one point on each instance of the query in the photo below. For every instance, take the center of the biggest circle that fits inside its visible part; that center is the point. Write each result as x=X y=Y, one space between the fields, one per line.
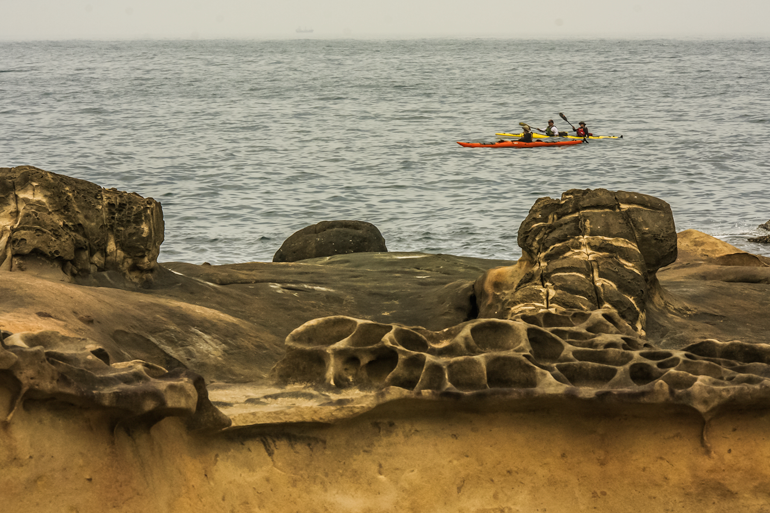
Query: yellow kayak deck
x=543 y=136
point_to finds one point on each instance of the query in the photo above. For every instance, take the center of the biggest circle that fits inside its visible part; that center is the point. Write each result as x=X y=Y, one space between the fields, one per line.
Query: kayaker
x=583 y=130
x=526 y=136
x=551 y=130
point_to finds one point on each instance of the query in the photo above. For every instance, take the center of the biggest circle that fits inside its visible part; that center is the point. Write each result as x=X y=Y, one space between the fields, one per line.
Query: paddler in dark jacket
x=527 y=135
x=583 y=130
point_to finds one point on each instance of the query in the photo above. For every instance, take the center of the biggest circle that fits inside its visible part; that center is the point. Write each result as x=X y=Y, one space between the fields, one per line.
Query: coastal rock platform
x=617 y=365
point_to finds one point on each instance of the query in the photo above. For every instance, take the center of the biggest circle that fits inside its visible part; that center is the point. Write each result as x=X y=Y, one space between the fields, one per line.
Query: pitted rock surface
x=568 y=318
x=61 y=224
x=329 y=238
x=47 y=365
x=591 y=249
x=594 y=352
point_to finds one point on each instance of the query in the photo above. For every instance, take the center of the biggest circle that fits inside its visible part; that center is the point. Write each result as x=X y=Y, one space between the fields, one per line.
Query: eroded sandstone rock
x=557 y=386
x=476 y=355
x=48 y=365
x=546 y=353
x=557 y=322
x=569 y=318
x=55 y=225
x=329 y=238
x=591 y=249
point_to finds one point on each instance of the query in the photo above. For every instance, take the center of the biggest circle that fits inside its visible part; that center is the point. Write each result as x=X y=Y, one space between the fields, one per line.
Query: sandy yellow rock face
x=407 y=457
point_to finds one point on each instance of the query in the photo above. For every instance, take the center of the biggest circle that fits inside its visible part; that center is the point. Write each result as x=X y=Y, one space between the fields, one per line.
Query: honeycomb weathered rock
x=75 y=227
x=588 y=351
x=569 y=318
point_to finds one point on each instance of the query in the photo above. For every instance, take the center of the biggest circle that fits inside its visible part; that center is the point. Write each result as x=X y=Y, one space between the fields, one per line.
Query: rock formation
x=329 y=238
x=764 y=226
x=591 y=249
x=71 y=228
x=629 y=361
x=764 y=239
x=47 y=365
x=545 y=354
x=570 y=315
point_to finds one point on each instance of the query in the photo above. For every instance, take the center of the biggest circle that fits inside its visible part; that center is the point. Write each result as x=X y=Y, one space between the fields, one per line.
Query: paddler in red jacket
x=583 y=130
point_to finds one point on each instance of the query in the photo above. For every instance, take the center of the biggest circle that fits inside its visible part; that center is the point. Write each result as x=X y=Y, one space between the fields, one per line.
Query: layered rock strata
x=591 y=249
x=56 y=225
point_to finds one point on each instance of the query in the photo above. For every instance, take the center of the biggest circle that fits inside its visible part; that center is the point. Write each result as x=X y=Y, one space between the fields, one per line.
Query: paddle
x=536 y=128
x=567 y=120
x=585 y=137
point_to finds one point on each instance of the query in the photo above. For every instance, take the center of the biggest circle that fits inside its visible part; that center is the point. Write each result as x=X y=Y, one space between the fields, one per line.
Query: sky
x=261 y=19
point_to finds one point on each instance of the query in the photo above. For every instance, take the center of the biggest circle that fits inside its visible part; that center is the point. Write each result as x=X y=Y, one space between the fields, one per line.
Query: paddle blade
x=523 y=123
x=563 y=117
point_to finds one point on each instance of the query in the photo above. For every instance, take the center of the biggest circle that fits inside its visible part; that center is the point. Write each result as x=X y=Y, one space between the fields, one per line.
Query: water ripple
x=244 y=142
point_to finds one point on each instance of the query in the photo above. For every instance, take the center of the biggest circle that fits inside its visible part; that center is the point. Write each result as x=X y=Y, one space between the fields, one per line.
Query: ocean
x=245 y=142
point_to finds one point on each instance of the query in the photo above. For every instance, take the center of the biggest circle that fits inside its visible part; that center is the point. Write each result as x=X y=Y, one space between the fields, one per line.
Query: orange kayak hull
x=519 y=144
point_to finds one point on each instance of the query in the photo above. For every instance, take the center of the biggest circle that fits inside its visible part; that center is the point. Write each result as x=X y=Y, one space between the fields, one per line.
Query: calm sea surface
x=245 y=142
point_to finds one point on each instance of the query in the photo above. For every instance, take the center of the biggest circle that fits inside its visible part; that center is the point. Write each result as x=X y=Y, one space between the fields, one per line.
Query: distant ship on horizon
x=304 y=30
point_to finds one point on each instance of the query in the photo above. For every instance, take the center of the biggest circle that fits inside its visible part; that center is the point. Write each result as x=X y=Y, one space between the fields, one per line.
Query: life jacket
x=580 y=132
x=551 y=130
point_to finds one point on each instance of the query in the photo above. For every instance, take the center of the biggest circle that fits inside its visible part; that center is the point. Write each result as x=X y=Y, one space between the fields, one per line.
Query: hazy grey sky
x=120 y=19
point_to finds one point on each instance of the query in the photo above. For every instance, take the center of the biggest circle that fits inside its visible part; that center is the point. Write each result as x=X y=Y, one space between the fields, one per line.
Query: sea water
x=245 y=142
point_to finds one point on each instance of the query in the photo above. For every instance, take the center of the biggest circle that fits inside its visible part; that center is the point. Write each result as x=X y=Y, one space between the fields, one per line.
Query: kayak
x=518 y=144
x=543 y=136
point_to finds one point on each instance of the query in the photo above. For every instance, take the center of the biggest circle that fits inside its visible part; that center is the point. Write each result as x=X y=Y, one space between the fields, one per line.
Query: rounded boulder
x=329 y=238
